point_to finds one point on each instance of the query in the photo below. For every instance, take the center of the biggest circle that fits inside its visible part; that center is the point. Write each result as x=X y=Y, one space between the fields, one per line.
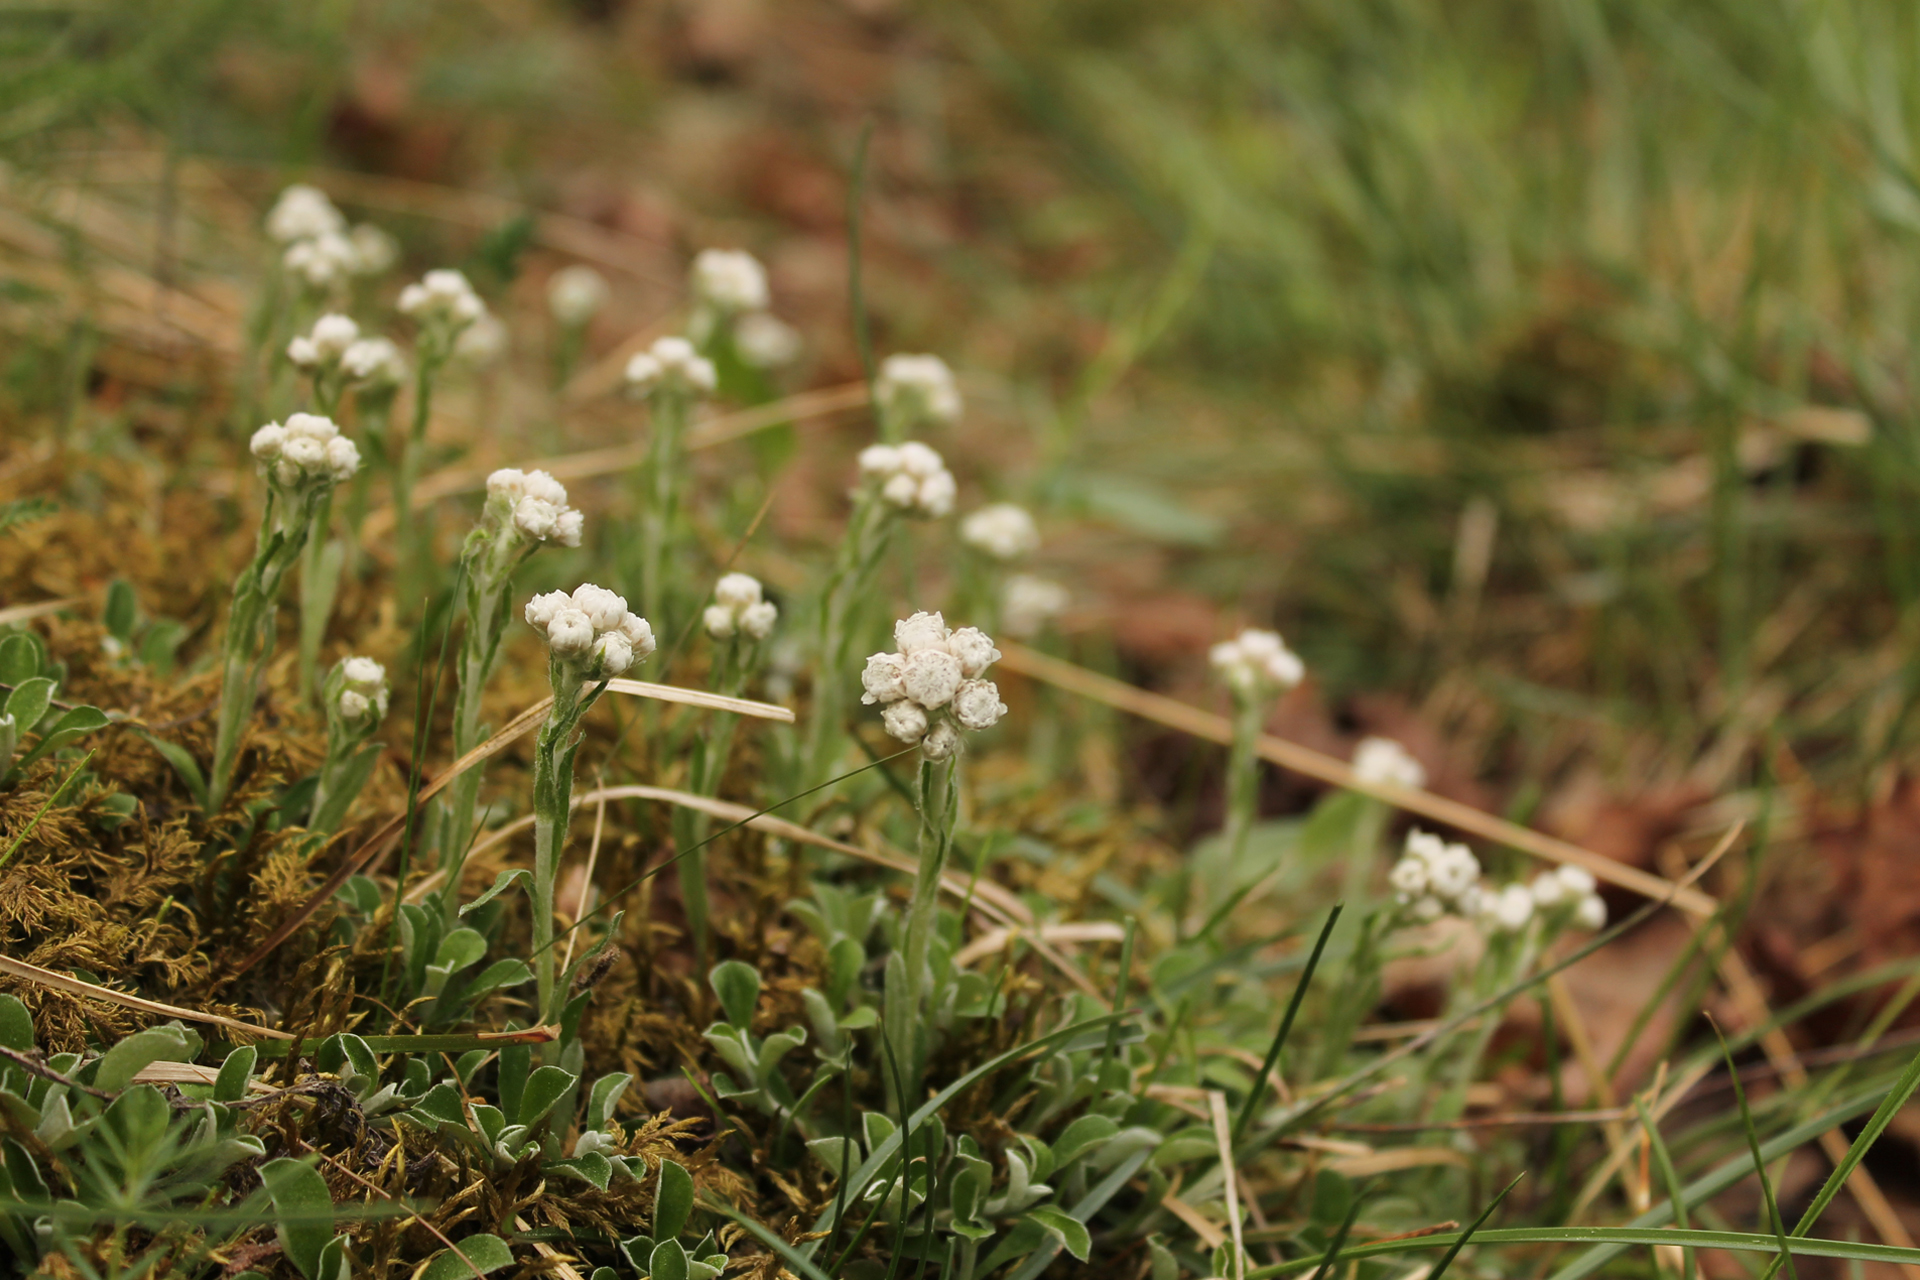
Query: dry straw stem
x=1291 y=755
x=515 y=729
x=73 y=986
x=625 y=457
x=27 y=612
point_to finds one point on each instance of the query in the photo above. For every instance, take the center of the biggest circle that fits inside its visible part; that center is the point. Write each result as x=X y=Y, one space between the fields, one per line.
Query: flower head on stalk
x=322 y=263
x=321 y=350
x=671 y=366
x=1257 y=664
x=356 y=696
x=739 y=608
x=930 y=688
x=910 y=477
x=1001 y=531
x=1568 y=895
x=917 y=391
x=576 y=294
x=305 y=455
x=445 y=307
x=1384 y=760
x=1028 y=604
x=374 y=365
x=303 y=213
x=726 y=283
x=529 y=507
x=591 y=633
x=765 y=341
x=1433 y=877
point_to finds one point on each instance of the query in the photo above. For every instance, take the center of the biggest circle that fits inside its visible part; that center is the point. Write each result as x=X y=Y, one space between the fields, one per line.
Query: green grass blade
x=1759 y=1162
x=1286 y=1025
x=1460 y=1241
x=1668 y=1175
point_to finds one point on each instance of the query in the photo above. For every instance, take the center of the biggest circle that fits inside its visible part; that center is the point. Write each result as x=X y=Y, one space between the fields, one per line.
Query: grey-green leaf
x=738 y=986
x=673 y=1201
x=485 y=1253
x=303 y=1209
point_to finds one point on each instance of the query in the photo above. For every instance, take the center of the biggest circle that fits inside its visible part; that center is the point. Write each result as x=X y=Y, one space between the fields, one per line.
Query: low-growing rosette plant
x=355 y=697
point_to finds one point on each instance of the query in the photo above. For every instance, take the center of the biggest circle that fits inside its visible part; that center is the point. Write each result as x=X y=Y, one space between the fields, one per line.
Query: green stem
x=707 y=766
x=552 y=805
x=908 y=988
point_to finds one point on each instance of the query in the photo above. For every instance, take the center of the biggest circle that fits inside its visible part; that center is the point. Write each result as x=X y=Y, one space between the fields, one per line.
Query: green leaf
x=303 y=1209
x=29 y=701
x=121 y=1063
x=16 y=1025
x=119 y=615
x=1070 y=1230
x=501 y=973
x=672 y=1201
x=235 y=1073
x=334 y=1263
x=20 y=658
x=459 y=949
x=501 y=883
x=1082 y=1136
x=439 y=1105
x=1150 y=510
x=604 y=1096
x=738 y=986
x=183 y=764
x=545 y=1087
x=591 y=1167
x=669 y=1261
x=72 y=723
x=487 y=1253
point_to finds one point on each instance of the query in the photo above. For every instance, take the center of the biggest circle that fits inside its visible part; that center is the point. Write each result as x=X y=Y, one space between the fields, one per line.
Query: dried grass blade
x=74 y=986
x=38 y=609
x=701 y=698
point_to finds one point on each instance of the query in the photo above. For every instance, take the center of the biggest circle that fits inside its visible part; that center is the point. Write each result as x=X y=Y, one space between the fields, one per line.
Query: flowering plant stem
x=868 y=536
x=707 y=764
x=553 y=756
x=320 y=563
x=285 y=528
x=657 y=523
x=406 y=469
x=907 y=980
x=1243 y=780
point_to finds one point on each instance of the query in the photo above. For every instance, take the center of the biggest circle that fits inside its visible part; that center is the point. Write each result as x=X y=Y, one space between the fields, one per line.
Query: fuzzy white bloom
x=1579 y=880
x=309 y=448
x=1432 y=869
x=534 y=504
x=930 y=687
x=362 y=689
x=1454 y=872
x=322 y=261
x=917 y=388
x=1509 y=910
x=375 y=363
x=1384 y=760
x=1590 y=913
x=671 y=364
x=1257 y=663
x=910 y=476
x=303 y=213
x=575 y=294
x=729 y=280
x=374 y=250
x=765 y=341
x=1002 y=530
x=326 y=345
x=443 y=297
x=739 y=608
x=1028 y=604
x=1570 y=890
x=481 y=343
x=1427 y=910
x=1408 y=878
x=1548 y=890
x=593 y=624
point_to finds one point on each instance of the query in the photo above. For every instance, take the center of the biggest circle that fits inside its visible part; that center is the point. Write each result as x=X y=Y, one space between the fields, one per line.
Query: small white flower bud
x=613 y=652
x=765 y=341
x=1028 y=603
x=941 y=742
x=321 y=262
x=977 y=705
x=311 y=426
x=671 y=364
x=729 y=280
x=936 y=495
x=1384 y=760
x=604 y=609
x=570 y=632
x=374 y=250
x=884 y=678
x=375 y=363
x=354 y=706
x=757 y=620
x=307 y=454
x=542 y=485
x=534 y=517
x=303 y=213
x=1003 y=531
x=1257 y=663
x=905 y=721
x=1513 y=908
x=919 y=388
x=1427 y=910
x=507 y=482
x=718 y=620
x=302 y=354
x=932 y=677
x=575 y=294
x=1578 y=880
x=1426 y=846
x=922 y=631
x=737 y=590
x=919 y=461
x=902 y=490
x=1408 y=878
x=363 y=671
x=268 y=441
x=1590 y=913
x=1454 y=871
x=974 y=648
x=567 y=529
x=1548 y=890
x=639 y=634
x=542 y=609
x=343 y=458
x=879 y=460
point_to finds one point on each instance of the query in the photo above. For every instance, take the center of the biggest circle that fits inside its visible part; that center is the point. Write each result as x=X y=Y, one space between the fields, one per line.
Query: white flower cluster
x=362 y=690
x=443 y=297
x=535 y=504
x=326 y=345
x=738 y=606
x=1002 y=530
x=931 y=688
x=910 y=476
x=1571 y=890
x=308 y=448
x=594 y=626
x=482 y=342
x=1384 y=760
x=671 y=364
x=374 y=362
x=1433 y=875
x=765 y=341
x=729 y=280
x=1257 y=663
x=320 y=250
x=575 y=294
x=1028 y=604
x=917 y=389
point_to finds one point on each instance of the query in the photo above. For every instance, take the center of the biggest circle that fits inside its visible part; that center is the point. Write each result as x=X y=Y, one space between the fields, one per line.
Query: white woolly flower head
x=739 y=608
x=1257 y=664
x=929 y=689
x=357 y=691
x=532 y=504
x=1384 y=760
x=374 y=364
x=444 y=299
x=1568 y=894
x=576 y=294
x=322 y=262
x=671 y=364
x=374 y=249
x=1001 y=530
x=1508 y=910
x=592 y=629
x=326 y=344
x=1028 y=604
x=308 y=449
x=481 y=343
x=909 y=476
x=1433 y=868
x=729 y=280
x=917 y=390
x=765 y=341
x=303 y=213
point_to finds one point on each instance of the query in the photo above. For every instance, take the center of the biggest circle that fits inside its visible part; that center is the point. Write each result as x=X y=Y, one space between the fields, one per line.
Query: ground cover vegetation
x=542 y=732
